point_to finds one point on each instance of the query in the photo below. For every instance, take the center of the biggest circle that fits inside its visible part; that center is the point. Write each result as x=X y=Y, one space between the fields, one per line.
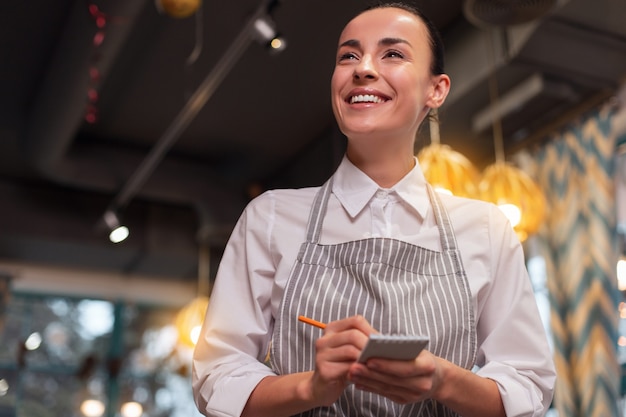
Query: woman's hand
x=401 y=381
x=336 y=352
x=429 y=376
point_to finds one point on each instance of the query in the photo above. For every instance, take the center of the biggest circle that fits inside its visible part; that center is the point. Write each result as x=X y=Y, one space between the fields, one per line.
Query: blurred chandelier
x=190 y=318
x=510 y=188
x=516 y=194
x=445 y=169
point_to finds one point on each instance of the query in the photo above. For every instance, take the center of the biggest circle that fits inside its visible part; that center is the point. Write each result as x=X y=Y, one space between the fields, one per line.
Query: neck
x=384 y=166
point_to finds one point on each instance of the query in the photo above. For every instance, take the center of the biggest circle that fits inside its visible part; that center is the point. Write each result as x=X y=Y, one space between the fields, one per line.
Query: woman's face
x=382 y=81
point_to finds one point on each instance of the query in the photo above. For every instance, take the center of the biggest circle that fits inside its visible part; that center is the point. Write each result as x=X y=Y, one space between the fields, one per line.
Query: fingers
x=339 y=347
x=400 y=381
x=424 y=364
x=351 y=323
x=344 y=339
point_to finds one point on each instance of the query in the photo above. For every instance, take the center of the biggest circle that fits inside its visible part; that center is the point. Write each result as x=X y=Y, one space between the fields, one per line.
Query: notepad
x=401 y=347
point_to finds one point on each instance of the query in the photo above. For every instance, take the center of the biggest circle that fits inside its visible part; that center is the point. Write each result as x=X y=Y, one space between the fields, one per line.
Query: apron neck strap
x=446 y=234
x=318 y=211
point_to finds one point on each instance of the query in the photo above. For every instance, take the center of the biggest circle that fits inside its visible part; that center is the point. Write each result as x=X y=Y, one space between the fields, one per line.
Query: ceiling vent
x=505 y=12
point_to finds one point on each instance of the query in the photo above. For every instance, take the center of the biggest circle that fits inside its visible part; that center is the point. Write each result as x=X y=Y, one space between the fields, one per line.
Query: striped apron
x=398 y=287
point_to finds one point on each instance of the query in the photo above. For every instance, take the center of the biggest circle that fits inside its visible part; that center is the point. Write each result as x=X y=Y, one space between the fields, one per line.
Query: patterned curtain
x=579 y=242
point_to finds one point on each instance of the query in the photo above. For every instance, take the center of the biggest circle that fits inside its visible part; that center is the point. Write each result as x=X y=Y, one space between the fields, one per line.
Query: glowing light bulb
x=621 y=275
x=119 y=234
x=33 y=342
x=512 y=212
x=131 y=409
x=92 y=408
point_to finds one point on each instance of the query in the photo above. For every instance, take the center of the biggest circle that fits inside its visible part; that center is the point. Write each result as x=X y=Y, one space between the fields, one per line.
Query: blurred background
x=168 y=116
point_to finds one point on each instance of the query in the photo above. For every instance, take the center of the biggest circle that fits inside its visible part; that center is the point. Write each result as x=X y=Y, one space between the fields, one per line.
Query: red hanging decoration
x=100 y=19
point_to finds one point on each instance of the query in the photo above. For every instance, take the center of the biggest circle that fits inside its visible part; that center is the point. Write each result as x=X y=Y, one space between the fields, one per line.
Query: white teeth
x=365 y=98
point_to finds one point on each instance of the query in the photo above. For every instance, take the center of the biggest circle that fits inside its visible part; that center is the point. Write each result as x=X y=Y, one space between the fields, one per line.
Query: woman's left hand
x=401 y=381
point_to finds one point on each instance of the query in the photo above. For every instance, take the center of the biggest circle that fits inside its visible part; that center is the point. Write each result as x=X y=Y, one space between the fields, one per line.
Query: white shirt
x=255 y=267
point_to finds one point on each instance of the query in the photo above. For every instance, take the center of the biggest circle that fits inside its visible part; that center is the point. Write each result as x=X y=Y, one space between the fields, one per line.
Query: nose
x=366 y=69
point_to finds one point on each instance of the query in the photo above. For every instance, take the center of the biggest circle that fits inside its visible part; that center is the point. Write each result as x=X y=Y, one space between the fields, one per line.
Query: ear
x=439 y=92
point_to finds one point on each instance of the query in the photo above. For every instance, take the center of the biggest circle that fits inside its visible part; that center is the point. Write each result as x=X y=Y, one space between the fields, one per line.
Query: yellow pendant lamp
x=510 y=188
x=516 y=194
x=445 y=169
x=178 y=8
x=190 y=318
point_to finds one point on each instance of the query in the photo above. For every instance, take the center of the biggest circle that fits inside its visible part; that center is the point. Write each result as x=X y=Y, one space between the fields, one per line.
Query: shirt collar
x=354 y=189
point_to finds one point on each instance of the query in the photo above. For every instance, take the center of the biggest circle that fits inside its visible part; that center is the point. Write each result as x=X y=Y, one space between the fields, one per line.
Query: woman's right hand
x=286 y=395
x=337 y=349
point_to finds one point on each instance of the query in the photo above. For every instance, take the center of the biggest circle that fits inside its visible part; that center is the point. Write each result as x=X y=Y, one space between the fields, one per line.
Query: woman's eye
x=394 y=54
x=347 y=56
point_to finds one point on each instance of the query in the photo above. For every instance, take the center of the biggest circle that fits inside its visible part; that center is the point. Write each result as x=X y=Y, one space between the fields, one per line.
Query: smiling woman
x=384 y=76
x=374 y=250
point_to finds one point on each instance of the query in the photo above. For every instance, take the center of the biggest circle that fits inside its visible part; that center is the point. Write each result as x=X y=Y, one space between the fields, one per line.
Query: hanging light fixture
x=510 y=188
x=178 y=8
x=264 y=30
x=189 y=319
x=447 y=170
x=117 y=231
x=516 y=194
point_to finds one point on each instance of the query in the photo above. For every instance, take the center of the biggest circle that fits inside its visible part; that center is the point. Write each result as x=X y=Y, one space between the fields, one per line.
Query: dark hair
x=435 y=41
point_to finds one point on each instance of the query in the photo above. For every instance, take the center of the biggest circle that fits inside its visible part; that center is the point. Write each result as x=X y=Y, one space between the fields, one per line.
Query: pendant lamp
x=178 y=8
x=516 y=194
x=190 y=318
x=447 y=170
x=507 y=186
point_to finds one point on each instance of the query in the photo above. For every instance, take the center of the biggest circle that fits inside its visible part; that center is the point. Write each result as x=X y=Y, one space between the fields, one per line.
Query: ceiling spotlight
x=278 y=44
x=265 y=32
x=118 y=232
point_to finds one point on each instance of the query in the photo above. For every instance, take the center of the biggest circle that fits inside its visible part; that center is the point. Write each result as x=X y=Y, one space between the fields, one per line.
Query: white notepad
x=402 y=347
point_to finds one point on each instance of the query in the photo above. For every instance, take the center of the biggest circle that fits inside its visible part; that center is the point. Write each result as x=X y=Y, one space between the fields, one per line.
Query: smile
x=366 y=98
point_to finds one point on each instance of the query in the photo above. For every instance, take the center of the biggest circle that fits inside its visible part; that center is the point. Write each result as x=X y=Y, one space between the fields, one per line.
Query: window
x=85 y=357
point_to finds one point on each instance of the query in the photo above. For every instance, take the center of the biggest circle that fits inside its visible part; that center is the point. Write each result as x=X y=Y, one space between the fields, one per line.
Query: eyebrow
x=383 y=42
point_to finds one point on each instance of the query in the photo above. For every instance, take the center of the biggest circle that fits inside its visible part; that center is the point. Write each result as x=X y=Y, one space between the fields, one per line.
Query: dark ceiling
x=193 y=116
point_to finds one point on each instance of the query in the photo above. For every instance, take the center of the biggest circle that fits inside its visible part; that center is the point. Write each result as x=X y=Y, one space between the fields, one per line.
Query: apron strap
x=318 y=211
x=446 y=234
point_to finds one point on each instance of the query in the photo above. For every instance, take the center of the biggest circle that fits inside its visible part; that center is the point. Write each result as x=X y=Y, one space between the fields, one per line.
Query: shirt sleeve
x=513 y=348
x=228 y=361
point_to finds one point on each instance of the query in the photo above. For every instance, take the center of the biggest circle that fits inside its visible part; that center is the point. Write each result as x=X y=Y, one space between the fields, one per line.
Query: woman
x=381 y=253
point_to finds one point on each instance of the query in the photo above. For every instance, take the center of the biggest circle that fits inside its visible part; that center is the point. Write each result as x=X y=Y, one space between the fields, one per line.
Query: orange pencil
x=312 y=322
